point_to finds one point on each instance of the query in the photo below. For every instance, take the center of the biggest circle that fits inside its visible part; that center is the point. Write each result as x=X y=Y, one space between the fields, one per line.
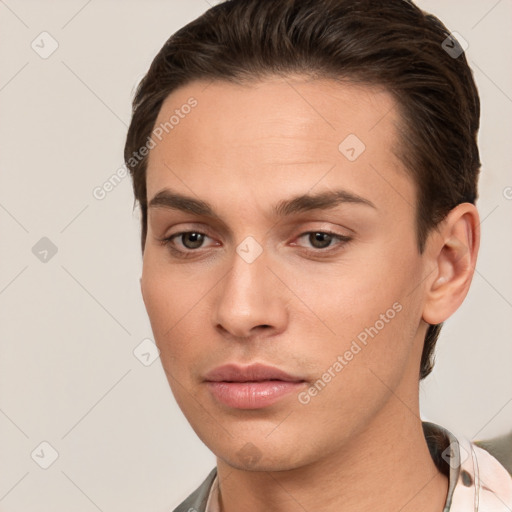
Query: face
x=281 y=232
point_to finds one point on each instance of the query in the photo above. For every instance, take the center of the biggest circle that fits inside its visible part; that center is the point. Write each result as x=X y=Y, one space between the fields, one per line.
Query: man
x=307 y=173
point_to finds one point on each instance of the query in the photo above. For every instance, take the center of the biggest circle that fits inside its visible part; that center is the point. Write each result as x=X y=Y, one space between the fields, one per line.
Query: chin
x=259 y=455
x=263 y=464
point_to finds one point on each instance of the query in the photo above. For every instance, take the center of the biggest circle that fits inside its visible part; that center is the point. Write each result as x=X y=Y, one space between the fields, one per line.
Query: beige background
x=69 y=326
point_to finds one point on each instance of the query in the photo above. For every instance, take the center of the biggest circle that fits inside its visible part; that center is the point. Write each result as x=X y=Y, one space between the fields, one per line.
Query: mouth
x=251 y=387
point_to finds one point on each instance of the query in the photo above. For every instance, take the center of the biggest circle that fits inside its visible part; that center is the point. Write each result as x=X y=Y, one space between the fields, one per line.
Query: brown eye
x=192 y=240
x=320 y=240
x=187 y=244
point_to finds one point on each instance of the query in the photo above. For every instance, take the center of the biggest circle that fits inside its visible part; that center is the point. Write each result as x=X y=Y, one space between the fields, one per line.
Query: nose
x=250 y=300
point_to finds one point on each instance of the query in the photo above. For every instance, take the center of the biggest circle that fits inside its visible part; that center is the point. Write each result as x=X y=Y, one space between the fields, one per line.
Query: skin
x=298 y=305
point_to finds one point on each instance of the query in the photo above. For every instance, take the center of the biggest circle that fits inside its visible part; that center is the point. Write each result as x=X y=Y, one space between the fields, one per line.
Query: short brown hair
x=391 y=43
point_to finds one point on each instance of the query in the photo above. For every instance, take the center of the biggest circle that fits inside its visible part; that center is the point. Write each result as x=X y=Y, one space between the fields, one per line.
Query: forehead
x=275 y=136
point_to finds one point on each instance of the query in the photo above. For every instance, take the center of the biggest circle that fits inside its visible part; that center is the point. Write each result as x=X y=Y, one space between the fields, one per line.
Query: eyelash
x=187 y=253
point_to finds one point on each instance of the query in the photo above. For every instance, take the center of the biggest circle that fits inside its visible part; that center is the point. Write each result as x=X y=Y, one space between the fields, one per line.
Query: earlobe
x=453 y=249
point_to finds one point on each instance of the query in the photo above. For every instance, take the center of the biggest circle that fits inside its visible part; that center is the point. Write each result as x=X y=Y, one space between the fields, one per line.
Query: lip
x=252 y=373
x=251 y=387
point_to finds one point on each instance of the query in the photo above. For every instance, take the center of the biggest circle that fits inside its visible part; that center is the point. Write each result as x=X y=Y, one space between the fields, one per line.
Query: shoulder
x=483 y=484
x=478 y=482
x=500 y=448
x=495 y=481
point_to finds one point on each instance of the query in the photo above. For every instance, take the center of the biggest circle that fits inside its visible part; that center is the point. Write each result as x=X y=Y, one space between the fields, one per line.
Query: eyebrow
x=321 y=201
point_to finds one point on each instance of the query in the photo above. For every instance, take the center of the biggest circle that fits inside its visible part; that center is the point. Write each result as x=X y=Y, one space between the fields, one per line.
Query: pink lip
x=250 y=387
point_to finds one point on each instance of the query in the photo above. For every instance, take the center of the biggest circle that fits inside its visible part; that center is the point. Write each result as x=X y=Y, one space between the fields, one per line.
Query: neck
x=386 y=467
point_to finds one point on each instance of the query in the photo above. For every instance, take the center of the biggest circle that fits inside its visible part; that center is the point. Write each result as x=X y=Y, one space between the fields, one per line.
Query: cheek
x=170 y=292
x=349 y=297
x=362 y=310
x=168 y=298
x=167 y=306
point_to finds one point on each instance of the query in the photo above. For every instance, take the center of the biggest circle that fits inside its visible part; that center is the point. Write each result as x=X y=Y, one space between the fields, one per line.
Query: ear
x=451 y=250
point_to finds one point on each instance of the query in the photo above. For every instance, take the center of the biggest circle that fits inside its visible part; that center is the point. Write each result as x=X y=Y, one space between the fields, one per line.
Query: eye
x=324 y=239
x=320 y=240
x=185 y=242
x=191 y=239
